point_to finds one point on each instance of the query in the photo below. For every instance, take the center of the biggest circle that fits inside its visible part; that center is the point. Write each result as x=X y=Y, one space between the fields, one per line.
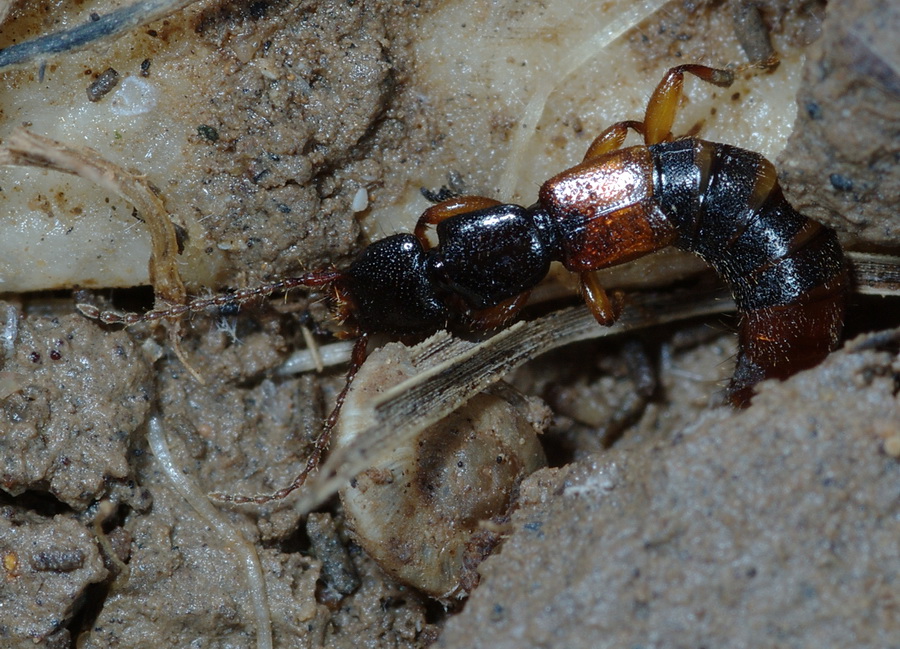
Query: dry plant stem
x=107 y=28
x=25 y=149
x=106 y=509
x=313 y=347
x=174 y=334
x=875 y=274
x=188 y=490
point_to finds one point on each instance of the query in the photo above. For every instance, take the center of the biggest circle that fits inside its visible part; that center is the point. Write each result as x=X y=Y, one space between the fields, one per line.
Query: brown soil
x=701 y=526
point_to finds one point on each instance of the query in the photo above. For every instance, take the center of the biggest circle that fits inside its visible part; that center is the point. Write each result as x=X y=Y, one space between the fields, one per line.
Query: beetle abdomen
x=785 y=271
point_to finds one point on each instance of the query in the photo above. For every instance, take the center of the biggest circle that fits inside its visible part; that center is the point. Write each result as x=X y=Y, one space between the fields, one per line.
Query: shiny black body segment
x=493 y=254
x=708 y=191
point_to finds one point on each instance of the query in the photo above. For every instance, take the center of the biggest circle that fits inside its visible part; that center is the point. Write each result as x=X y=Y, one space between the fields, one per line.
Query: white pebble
x=134 y=96
x=360 y=200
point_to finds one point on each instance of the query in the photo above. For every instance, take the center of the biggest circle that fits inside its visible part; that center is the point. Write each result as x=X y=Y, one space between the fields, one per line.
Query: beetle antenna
x=198 y=305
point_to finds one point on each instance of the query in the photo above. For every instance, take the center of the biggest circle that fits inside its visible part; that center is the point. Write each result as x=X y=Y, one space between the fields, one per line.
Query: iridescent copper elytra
x=723 y=203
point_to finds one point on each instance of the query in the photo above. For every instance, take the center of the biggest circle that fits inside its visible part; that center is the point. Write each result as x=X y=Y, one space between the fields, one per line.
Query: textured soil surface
x=666 y=520
x=849 y=120
x=771 y=527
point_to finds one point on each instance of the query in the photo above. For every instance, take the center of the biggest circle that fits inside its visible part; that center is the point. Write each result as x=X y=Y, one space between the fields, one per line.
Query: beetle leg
x=497 y=316
x=605 y=308
x=320 y=445
x=663 y=102
x=444 y=210
x=612 y=138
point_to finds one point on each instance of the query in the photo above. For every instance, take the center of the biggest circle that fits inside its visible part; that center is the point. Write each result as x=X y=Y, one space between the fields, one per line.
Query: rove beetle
x=723 y=203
